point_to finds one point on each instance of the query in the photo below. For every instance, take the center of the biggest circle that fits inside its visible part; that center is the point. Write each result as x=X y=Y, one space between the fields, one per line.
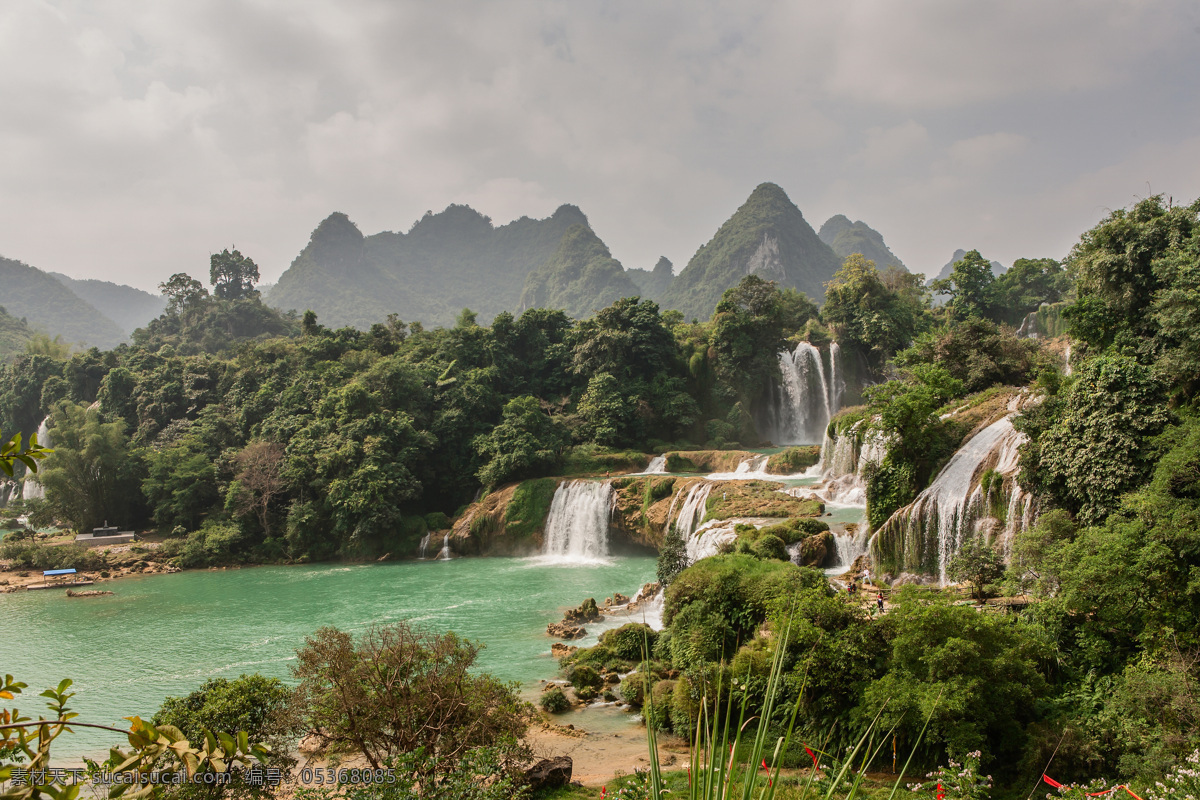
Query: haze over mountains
x=458 y=259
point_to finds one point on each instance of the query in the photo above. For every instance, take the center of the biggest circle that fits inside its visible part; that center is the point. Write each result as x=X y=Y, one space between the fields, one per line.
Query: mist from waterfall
x=577 y=528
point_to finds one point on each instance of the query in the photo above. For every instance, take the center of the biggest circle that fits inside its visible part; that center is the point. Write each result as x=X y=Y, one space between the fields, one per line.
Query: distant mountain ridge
x=767 y=236
x=580 y=278
x=14 y=336
x=446 y=262
x=53 y=308
x=845 y=238
x=653 y=283
x=128 y=307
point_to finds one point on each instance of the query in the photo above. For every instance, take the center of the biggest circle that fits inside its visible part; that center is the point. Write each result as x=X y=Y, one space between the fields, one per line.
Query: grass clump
x=529 y=507
x=554 y=701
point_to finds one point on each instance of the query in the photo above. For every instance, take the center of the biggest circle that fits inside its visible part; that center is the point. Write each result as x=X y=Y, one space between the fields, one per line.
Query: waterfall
x=805 y=400
x=837 y=383
x=691 y=514
x=32 y=489
x=753 y=468
x=657 y=466
x=577 y=528
x=944 y=515
x=425 y=544
x=707 y=540
x=444 y=553
x=843 y=464
x=1067 y=361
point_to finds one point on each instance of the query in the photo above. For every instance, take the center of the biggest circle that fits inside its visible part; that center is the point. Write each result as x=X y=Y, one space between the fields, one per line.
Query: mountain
x=130 y=308
x=998 y=269
x=769 y=236
x=652 y=283
x=580 y=278
x=14 y=336
x=845 y=238
x=446 y=262
x=49 y=306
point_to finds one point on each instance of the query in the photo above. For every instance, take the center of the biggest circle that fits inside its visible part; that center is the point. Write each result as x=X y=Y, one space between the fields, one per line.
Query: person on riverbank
x=879 y=601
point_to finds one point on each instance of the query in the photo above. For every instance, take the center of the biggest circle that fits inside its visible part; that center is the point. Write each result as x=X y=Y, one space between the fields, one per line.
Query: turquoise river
x=167 y=634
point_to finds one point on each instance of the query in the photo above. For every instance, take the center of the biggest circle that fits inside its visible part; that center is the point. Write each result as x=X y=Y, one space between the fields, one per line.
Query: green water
x=166 y=634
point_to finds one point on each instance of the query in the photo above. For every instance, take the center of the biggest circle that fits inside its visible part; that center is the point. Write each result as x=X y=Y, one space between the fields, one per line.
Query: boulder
x=588 y=611
x=560 y=650
x=816 y=550
x=564 y=630
x=549 y=773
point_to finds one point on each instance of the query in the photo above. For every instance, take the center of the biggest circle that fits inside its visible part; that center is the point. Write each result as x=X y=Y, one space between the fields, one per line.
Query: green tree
x=606 y=412
x=1029 y=283
x=232 y=275
x=180 y=485
x=91 y=477
x=183 y=293
x=878 y=314
x=978 y=564
x=527 y=443
x=970 y=286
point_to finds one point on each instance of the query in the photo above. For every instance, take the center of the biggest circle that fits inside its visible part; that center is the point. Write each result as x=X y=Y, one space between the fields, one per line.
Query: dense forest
x=258 y=436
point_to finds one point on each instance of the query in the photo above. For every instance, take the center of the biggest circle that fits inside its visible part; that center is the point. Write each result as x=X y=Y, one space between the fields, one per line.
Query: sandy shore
x=599 y=755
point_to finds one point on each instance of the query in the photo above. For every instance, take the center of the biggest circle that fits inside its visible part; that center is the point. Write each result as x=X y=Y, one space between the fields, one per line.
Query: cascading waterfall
x=946 y=513
x=691 y=514
x=657 y=466
x=806 y=399
x=444 y=553
x=1067 y=370
x=32 y=489
x=424 y=544
x=577 y=528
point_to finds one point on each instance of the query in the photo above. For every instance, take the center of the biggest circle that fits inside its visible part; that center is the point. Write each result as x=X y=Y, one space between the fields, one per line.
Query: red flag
x=811 y=755
x=1051 y=781
x=602 y=790
x=764 y=766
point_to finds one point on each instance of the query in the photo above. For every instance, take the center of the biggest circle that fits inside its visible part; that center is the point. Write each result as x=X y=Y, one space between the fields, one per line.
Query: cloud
x=157 y=133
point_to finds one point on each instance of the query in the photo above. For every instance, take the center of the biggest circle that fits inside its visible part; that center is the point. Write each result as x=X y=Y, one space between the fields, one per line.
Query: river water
x=166 y=634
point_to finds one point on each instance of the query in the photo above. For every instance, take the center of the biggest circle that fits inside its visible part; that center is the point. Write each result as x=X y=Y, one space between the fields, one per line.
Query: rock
x=909 y=577
x=565 y=631
x=619 y=599
x=647 y=591
x=588 y=611
x=560 y=650
x=90 y=593
x=816 y=550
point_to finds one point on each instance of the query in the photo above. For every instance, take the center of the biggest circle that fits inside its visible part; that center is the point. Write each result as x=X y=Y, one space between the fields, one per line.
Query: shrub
x=633 y=688
x=213 y=545
x=631 y=642
x=657 y=712
x=437 y=521
x=554 y=701
x=685 y=707
x=770 y=546
x=32 y=555
x=586 y=681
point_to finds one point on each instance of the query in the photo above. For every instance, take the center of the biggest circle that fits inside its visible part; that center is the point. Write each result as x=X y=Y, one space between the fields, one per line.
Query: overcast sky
x=137 y=137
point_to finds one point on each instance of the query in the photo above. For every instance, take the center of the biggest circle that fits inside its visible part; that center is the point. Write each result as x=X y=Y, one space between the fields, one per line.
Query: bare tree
x=260 y=468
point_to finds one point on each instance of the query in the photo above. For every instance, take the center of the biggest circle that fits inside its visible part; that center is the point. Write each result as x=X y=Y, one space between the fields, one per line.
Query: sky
x=138 y=137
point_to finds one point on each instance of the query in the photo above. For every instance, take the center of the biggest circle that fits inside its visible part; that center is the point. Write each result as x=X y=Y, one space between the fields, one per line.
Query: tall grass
x=713 y=775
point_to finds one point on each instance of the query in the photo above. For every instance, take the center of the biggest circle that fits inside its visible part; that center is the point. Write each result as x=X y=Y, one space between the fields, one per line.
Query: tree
x=672 y=558
x=90 y=478
x=232 y=275
x=880 y=314
x=525 y=444
x=259 y=480
x=12 y=453
x=978 y=564
x=183 y=292
x=969 y=286
x=399 y=689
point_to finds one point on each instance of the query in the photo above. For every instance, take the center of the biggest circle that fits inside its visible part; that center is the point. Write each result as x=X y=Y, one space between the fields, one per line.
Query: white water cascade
x=1067 y=370
x=444 y=553
x=806 y=399
x=425 y=544
x=32 y=490
x=657 y=466
x=945 y=514
x=577 y=528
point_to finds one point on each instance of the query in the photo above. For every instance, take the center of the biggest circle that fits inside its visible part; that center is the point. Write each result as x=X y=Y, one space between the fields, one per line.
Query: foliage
x=11 y=453
x=978 y=564
x=529 y=507
x=958 y=781
x=554 y=701
x=878 y=314
x=672 y=556
x=232 y=275
x=26 y=744
x=1095 y=444
x=970 y=286
x=977 y=352
x=631 y=641
x=33 y=555
x=1029 y=283
x=526 y=443
x=90 y=479
x=398 y=689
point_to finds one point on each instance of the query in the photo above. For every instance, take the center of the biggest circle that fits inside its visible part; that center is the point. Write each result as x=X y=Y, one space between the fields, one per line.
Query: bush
x=633 y=641
x=437 y=521
x=770 y=546
x=32 y=555
x=214 y=545
x=554 y=701
x=585 y=680
x=685 y=707
x=633 y=688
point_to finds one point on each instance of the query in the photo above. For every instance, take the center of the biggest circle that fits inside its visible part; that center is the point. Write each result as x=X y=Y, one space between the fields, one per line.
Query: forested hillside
x=580 y=278
x=48 y=305
x=846 y=238
x=767 y=237
x=130 y=308
x=14 y=336
x=653 y=283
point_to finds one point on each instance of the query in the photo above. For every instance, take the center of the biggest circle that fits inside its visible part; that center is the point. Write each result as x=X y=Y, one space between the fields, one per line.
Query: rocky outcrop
x=815 y=551
x=549 y=773
x=587 y=611
x=565 y=630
